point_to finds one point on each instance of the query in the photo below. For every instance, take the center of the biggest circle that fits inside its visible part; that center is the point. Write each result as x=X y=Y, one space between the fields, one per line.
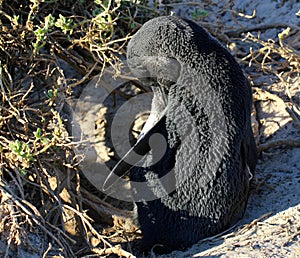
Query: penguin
x=199 y=185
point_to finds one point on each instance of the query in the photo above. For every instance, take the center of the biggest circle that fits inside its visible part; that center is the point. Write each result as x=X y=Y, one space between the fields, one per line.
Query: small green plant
x=39 y=138
x=22 y=171
x=15 y=20
x=21 y=150
x=38 y=133
x=51 y=94
x=41 y=33
x=132 y=25
x=66 y=25
x=199 y=14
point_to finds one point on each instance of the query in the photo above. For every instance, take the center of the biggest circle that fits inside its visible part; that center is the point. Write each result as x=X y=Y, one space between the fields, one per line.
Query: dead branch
x=102 y=208
x=260 y=94
x=260 y=27
x=278 y=143
x=35 y=217
x=295 y=115
x=113 y=250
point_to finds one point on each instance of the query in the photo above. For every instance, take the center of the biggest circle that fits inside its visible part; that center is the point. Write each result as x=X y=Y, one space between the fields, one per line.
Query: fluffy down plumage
x=205 y=104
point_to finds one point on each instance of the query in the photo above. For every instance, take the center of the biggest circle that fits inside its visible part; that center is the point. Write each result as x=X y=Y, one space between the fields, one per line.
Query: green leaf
x=22 y=171
x=38 y=133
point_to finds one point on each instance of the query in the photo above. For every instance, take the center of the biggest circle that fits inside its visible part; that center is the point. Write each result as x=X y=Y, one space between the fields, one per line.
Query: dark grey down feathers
x=202 y=103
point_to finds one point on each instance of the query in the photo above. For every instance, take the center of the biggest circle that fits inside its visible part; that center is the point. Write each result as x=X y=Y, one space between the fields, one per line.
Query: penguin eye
x=148 y=81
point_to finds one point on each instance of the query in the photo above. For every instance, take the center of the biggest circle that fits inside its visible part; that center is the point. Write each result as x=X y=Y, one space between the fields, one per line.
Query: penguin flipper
x=134 y=155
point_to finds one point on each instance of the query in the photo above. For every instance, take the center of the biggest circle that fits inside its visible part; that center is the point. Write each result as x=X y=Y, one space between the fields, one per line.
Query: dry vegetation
x=40 y=186
x=42 y=198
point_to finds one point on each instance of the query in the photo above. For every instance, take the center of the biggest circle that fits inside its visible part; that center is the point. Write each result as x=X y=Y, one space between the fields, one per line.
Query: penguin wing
x=249 y=150
x=134 y=155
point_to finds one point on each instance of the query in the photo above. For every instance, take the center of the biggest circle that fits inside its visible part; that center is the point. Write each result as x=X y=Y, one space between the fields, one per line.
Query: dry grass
x=40 y=187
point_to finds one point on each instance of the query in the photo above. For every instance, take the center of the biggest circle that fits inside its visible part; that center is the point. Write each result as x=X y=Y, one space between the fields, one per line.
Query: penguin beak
x=137 y=152
x=156 y=122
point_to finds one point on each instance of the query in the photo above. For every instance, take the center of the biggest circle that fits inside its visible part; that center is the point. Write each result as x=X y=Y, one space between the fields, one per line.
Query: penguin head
x=163 y=71
x=148 y=59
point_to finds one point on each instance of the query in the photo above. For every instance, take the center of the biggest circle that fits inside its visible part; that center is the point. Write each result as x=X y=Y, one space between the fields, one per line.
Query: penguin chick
x=202 y=106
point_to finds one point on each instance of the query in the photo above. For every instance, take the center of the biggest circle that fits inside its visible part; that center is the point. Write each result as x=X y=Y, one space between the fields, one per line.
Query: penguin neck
x=160 y=100
x=159 y=108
